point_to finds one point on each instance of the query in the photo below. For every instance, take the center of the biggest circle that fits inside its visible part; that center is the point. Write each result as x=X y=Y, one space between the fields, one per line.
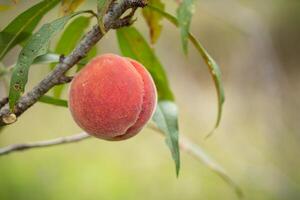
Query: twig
x=54 y=77
x=184 y=143
x=44 y=143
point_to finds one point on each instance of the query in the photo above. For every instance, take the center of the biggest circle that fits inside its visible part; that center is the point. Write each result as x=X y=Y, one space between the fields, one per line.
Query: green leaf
x=212 y=65
x=37 y=45
x=47 y=58
x=133 y=45
x=185 y=12
x=102 y=7
x=68 y=42
x=153 y=19
x=72 y=35
x=215 y=73
x=69 y=6
x=165 y=117
x=53 y=101
x=23 y=25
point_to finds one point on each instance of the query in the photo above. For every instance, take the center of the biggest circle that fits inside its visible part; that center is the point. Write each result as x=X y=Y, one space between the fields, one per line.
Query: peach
x=112 y=97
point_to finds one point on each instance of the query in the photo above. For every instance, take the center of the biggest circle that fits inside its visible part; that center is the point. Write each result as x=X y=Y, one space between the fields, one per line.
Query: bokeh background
x=257 y=45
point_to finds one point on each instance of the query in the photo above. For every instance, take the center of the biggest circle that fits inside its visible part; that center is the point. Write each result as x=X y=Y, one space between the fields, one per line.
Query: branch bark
x=54 y=77
x=44 y=143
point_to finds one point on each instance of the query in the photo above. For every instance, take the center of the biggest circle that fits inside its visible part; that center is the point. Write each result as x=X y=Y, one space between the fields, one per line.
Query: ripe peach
x=112 y=97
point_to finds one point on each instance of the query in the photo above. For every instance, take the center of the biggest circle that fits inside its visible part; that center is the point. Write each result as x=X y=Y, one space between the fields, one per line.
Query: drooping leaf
x=133 y=45
x=23 y=25
x=165 y=117
x=68 y=41
x=69 y=6
x=212 y=65
x=53 y=101
x=185 y=12
x=37 y=45
x=215 y=73
x=153 y=19
x=102 y=7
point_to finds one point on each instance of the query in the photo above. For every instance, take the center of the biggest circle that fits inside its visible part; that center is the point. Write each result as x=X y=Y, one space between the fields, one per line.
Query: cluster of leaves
x=131 y=43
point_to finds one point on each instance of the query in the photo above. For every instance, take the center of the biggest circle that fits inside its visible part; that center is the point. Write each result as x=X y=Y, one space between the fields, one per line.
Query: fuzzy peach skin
x=112 y=97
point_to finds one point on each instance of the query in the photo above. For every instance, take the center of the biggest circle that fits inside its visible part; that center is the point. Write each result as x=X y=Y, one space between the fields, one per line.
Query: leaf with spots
x=210 y=62
x=132 y=44
x=153 y=19
x=37 y=45
x=22 y=26
x=165 y=117
x=185 y=12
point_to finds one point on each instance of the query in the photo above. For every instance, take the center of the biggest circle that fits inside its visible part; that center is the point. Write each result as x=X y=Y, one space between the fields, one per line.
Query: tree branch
x=44 y=143
x=184 y=143
x=54 y=77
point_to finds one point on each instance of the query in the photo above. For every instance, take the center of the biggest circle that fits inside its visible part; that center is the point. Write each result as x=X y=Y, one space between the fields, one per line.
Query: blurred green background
x=257 y=45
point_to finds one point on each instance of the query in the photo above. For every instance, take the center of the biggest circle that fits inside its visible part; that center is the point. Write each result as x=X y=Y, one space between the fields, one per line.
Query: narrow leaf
x=153 y=19
x=23 y=25
x=68 y=41
x=47 y=58
x=37 y=45
x=215 y=73
x=165 y=117
x=185 y=12
x=53 y=101
x=133 y=45
x=212 y=65
x=69 y=6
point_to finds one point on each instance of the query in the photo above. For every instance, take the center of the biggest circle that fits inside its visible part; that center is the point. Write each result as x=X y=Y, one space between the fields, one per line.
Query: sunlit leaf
x=23 y=25
x=165 y=117
x=153 y=19
x=69 y=6
x=213 y=66
x=47 y=58
x=185 y=12
x=37 y=45
x=133 y=45
x=53 y=101
x=68 y=42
